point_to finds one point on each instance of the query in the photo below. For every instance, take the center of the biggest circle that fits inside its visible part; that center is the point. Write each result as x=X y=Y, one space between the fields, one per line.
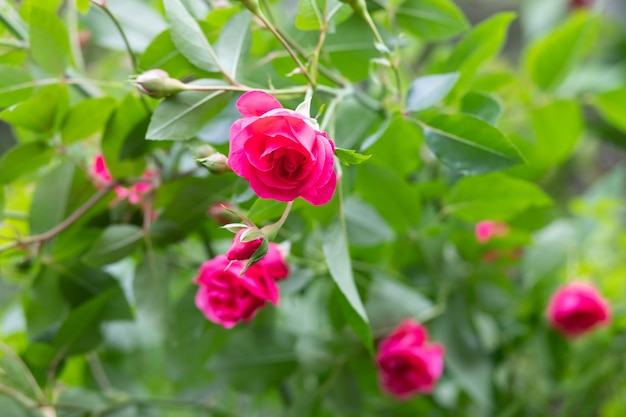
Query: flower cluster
x=102 y=178
x=229 y=294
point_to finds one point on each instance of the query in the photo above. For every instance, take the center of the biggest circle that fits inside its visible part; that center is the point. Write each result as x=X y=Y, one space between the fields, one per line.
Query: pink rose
x=487 y=229
x=240 y=251
x=102 y=178
x=576 y=308
x=280 y=152
x=274 y=262
x=226 y=298
x=407 y=364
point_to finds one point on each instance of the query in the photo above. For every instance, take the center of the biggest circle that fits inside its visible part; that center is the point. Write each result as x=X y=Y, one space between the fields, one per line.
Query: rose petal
x=256 y=103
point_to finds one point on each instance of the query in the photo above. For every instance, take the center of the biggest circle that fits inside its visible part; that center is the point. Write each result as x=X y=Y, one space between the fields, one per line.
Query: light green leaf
x=49 y=41
x=350 y=156
x=482 y=106
x=83 y=6
x=50 y=201
x=16 y=85
x=162 y=54
x=431 y=19
x=495 y=197
x=116 y=242
x=263 y=210
x=309 y=16
x=189 y=38
x=612 y=106
x=41 y=113
x=469 y=145
x=481 y=44
x=86 y=118
x=429 y=90
x=23 y=159
x=1 y=203
x=365 y=227
x=339 y=265
x=558 y=126
x=181 y=117
x=549 y=59
x=151 y=289
x=231 y=45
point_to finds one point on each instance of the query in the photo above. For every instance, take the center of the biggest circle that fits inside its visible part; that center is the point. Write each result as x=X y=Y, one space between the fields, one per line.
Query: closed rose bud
x=407 y=363
x=216 y=164
x=240 y=251
x=577 y=308
x=157 y=83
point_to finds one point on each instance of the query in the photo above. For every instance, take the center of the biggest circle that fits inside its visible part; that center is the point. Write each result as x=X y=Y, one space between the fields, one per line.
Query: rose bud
x=281 y=152
x=407 y=364
x=227 y=296
x=216 y=164
x=240 y=250
x=157 y=83
x=487 y=229
x=577 y=308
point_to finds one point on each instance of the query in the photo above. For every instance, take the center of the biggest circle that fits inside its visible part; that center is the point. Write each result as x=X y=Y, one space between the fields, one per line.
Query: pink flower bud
x=407 y=364
x=240 y=251
x=487 y=229
x=577 y=308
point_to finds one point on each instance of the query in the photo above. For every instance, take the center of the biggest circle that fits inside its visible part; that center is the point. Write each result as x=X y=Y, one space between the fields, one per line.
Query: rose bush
x=281 y=152
x=577 y=308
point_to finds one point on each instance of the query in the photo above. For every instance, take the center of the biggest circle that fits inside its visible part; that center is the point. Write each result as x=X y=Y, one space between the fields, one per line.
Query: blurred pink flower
x=487 y=229
x=407 y=364
x=102 y=178
x=577 y=308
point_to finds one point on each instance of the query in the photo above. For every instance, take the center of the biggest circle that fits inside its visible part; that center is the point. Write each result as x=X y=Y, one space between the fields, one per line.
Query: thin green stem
x=14 y=43
x=119 y=28
x=72 y=24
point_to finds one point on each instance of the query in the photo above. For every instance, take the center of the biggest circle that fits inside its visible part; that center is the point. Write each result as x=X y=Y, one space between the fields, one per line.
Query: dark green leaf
x=49 y=41
x=350 y=156
x=612 y=106
x=116 y=242
x=431 y=19
x=41 y=113
x=339 y=265
x=86 y=118
x=189 y=38
x=23 y=159
x=231 y=46
x=429 y=90
x=151 y=289
x=16 y=85
x=181 y=117
x=494 y=196
x=482 y=106
x=469 y=145
x=550 y=59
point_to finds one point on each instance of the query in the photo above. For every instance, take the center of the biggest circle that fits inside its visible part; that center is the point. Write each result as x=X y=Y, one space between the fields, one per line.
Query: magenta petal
x=256 y=103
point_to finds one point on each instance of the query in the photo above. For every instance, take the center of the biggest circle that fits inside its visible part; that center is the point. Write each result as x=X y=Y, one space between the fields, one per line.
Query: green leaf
x=339 y=265
x=151 y=289
x=116 y=242
x=429 y=90
x=23 y=159
x=231 y=45
x=431 y=19
x=550 y=59
x=482 y=106
x=49 y=41
x=41 y=113
x=309 y=16
x=180 y=117
x=480 y=45
x=51 y=197
x=16 y=84
x=86 y=118
x=397 y=201
x=264 y=209
x=1 y=203
x=189 y=38
x=350 y=156
x=83 y=6
x=495 y=197
x=364 y=225
x=558 y=126
x=612 y=107
x=162 y=54
x=469 y=145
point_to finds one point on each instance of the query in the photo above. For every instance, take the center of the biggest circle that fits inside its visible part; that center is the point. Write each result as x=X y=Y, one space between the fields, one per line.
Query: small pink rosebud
x=240 y=251
x=487 y=229
x=577 y=308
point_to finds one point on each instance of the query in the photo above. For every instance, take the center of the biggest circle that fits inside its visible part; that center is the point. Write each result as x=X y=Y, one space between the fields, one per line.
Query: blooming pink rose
x=487 y=229
x=227 y=298
x=576 y=308
x=280 y=152
x=274 y=262
x=407 y=364
x=240 y=251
